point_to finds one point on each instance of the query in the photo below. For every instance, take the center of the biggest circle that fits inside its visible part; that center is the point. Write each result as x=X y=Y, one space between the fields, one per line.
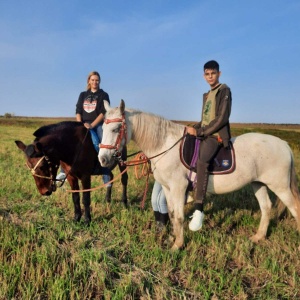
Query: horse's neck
x=152 y=133
x=65 y=144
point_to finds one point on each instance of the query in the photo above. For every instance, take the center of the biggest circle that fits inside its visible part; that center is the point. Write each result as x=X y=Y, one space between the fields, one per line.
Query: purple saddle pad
x=223 y=163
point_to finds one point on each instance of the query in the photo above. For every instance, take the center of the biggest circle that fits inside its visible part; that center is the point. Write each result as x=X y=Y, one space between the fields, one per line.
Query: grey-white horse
x=262 y=160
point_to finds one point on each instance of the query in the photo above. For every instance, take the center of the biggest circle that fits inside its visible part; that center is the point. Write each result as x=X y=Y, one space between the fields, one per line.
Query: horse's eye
x=44 y=167
x=117 y=129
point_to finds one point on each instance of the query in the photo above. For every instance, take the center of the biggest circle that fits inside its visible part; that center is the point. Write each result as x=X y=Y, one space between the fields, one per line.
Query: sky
x=151 y=54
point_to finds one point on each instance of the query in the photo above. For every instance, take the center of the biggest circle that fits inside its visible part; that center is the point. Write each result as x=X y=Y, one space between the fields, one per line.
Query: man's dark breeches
x=208 y=150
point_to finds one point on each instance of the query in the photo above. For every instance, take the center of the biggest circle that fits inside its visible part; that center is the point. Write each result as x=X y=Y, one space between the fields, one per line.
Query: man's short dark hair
x=211 y=65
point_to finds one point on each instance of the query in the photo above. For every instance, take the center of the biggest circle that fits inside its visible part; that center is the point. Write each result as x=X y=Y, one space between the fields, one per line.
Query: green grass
x=45 y=255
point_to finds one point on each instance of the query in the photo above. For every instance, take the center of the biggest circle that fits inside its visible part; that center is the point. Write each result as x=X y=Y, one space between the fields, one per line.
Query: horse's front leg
x=109 y=189
x=73 y=181
x=86 y=198
x=124 y=181
x=175 y=199
x=178 y=225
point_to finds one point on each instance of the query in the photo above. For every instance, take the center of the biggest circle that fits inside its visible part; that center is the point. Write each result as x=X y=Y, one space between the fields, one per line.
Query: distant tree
x=8 y=115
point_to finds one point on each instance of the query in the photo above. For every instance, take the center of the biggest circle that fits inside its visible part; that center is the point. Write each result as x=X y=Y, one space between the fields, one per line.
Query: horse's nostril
x=102 y=161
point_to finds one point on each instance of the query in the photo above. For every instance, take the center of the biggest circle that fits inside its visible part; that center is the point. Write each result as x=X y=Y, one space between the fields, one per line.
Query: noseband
x=122 y=134
x=33 y=170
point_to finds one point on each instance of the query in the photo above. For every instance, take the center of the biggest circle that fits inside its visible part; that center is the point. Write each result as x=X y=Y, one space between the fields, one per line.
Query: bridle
x=51 y=177
x=122 y=134
x=54 y=166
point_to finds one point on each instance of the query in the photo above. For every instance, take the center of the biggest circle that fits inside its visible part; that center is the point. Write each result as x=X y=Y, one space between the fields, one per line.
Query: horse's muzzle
x=105 y=162
x=48 y=192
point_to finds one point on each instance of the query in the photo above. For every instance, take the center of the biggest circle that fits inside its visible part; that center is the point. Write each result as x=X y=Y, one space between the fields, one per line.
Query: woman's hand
x=88 y=126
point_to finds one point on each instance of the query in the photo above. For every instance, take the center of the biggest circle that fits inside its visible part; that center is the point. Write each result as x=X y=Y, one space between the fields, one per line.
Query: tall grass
x=45 y=255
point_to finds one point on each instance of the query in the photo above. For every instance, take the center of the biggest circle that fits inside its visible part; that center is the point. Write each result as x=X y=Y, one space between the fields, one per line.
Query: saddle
x=223 y=162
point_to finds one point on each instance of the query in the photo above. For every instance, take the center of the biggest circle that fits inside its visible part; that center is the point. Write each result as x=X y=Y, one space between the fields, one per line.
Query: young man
x=214 y=132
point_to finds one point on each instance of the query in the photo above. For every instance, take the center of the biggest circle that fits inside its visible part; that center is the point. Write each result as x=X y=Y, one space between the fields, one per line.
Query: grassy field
x=45 y=255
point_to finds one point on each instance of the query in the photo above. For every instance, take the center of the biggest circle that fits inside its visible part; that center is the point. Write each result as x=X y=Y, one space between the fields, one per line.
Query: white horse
x=261 y=160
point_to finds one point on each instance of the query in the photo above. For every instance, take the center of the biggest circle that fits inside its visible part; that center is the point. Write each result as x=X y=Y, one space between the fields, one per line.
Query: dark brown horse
x=68 y=144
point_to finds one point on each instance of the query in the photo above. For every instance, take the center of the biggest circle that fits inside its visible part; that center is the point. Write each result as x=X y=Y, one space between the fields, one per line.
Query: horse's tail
x=281 y=208
x=295 y=190
x=294 y=182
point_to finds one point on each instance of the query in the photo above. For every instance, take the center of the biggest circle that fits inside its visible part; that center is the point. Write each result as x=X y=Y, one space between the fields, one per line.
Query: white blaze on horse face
x=113 y=135
x=109 y=138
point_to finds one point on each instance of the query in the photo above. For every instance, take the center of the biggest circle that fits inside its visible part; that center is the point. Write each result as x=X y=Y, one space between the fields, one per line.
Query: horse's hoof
x=77 y=218
x=175 y=248
x=87 y=222
x=255 y=238
x=108 y=199
x=171 y=239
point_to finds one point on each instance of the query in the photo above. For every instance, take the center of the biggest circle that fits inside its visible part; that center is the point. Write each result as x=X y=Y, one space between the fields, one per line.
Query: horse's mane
x=151 y=131
x=55 y=128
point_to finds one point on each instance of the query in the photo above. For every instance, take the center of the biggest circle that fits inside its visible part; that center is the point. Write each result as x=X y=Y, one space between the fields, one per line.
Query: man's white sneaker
x=197 y=220
x=61 y=176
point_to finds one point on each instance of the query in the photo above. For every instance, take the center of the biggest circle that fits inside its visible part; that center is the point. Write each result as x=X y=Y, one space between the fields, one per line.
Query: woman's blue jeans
x=158 y=199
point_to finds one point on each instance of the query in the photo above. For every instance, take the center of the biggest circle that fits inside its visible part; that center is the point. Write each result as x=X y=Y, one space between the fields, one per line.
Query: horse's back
x=259 y=158
x=262 y=149
x=253 y=141
x=57 y=127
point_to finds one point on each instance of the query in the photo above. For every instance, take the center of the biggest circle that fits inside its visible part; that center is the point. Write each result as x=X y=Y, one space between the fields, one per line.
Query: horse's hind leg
x=265 y=204
x=287 y=191
x=292 y=203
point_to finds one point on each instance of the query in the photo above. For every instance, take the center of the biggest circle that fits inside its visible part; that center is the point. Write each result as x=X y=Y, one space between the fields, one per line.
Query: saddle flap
x=223 y=163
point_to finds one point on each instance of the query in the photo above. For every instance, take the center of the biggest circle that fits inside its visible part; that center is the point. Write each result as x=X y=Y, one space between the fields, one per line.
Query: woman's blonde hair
x=88 y=87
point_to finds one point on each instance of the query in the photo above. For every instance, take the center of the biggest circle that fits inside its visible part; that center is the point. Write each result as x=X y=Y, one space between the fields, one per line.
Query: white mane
x=151 y=131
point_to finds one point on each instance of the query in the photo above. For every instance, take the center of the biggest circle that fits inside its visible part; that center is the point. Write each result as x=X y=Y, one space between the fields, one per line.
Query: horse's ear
x=30 y=150
x=20 y=145
x=122 y=106
x=106 y=105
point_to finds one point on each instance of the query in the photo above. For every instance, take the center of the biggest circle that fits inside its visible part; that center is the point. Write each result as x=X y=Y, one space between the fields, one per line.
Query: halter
x=121 y=135
x=33 y=170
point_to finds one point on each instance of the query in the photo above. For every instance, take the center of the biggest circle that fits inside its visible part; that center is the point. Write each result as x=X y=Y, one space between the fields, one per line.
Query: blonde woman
x=90 y=111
